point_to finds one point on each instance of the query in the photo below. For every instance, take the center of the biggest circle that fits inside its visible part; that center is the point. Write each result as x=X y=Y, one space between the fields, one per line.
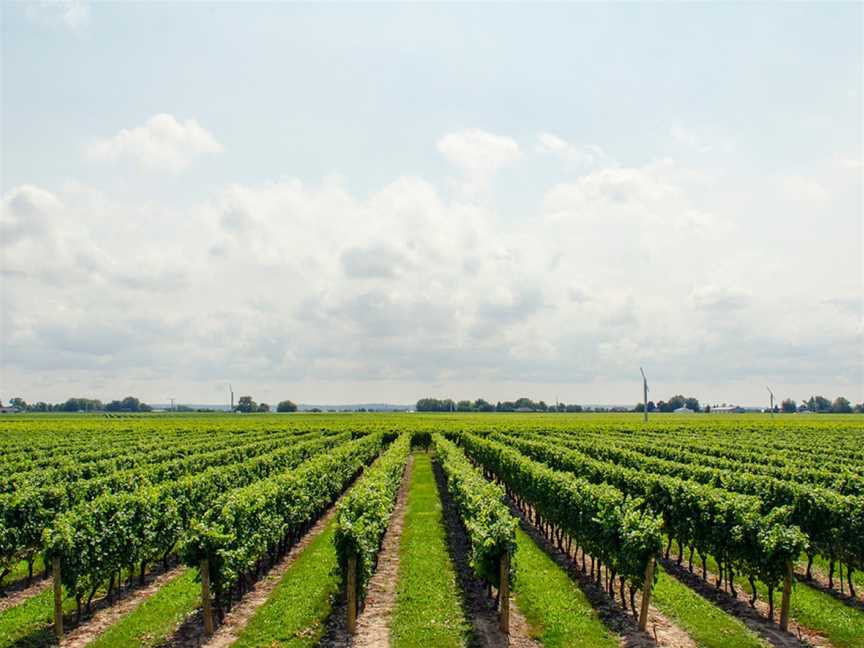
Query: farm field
x=432 y=530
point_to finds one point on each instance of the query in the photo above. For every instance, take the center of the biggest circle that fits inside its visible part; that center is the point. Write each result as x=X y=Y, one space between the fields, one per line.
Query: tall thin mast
x=644 y=395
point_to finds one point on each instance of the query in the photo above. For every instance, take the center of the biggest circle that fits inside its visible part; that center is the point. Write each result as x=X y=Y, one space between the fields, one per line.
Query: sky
x=378 y=203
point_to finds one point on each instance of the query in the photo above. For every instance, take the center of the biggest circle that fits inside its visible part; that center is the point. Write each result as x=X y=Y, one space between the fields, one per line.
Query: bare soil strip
x=373 y=622
x=754 y=618
x=661 y=630
x=18 y=592
x=477 y=605
x=111 y=614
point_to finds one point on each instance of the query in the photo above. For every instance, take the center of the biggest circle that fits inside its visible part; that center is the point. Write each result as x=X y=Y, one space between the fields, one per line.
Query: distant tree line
x=822 y=405
x=819 y=404
x=676 y=402
x=482 y=405
x=128 y=404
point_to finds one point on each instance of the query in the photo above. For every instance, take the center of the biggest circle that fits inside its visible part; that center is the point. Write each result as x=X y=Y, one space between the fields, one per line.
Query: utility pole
x=172 y=404
x=231 y=389
x=772 y=401
x=644 y=395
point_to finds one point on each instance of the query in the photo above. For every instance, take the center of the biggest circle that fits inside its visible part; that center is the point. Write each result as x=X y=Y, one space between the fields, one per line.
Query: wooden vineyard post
x=787 y=594
x=58 y=598
x=504 y=592
x=351 y=581
x=206 y=603
x=646 y=594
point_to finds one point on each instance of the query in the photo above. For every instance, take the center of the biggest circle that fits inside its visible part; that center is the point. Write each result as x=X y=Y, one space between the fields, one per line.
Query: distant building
x=683 y=410
x=727 y=409
x=10 y=409
x=523 y=409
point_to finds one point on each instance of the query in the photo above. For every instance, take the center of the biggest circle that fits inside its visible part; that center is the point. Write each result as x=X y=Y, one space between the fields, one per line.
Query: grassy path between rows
x=821 y=564
x=19 y=571
x=295 y=614
x=707 y=625
x=157 y=617
x=428 y=611
x=555 y=607
x=29 y=624
x=841 y=624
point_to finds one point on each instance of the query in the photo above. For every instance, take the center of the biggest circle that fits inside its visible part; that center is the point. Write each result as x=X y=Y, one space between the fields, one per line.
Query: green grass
x=298 y=608
x=30 y=623
x=841 y=624
x=707 y=625
x=821 y=564
x=157 y=617
x=19 y=571
x=428 y=612
x=558 y=611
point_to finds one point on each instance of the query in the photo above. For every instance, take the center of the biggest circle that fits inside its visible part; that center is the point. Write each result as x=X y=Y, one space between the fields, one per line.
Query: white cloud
x=637 y=192
x=293 y=282
x=162 y=144
x=719 y=299
x=700 y=142
x=803 y=189
x=70 y=14
x=478 y=155
x=587 y=155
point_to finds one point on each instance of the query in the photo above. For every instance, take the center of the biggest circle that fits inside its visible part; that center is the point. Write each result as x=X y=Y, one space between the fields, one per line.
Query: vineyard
x=431 y=530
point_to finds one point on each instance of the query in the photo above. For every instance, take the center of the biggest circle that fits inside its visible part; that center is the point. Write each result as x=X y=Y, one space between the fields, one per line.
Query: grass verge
x=558 y=611
x=707 y=625
x=298 y=607
x=428 y=612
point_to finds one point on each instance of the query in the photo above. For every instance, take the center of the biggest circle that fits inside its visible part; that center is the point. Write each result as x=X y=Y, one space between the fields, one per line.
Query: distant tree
x=80 y=405
x=859 y=408
x=640 y=407
x=464 y=406
x=692 y=403
x=263 y=407
x=481 y=405
x=819 y=404
x=128 y=404
x=524 y=402
x=841 y=405
x=20 y=403
x=435 y=405
x=246 y=405
x=788 y=406
x=286 y=406
x=573 y=409
x=651 y=406
x=707 y=409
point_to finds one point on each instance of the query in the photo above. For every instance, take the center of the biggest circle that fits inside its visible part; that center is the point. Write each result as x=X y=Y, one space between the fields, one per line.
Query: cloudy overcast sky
x=378 y=203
